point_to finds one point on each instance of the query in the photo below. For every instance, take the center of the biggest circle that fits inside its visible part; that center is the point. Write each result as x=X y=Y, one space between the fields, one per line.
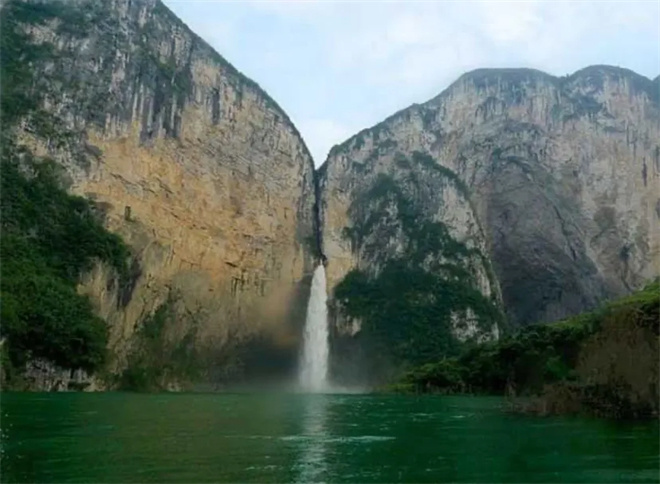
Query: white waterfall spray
x=314 y=363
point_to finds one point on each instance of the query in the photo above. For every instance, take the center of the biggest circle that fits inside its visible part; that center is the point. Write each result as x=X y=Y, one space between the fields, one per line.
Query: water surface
x=114 y=437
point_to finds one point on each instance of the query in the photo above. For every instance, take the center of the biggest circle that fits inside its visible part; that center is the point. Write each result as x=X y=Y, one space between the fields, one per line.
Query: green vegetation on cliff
x=22 y=93
x=156 y=358
x=603 y=362
x=408 y=310
x=48 y=239
x=17 y=56
x=411 y=306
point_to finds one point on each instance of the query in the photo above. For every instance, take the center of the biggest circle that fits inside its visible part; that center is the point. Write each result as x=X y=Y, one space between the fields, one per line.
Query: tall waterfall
x=314 y=363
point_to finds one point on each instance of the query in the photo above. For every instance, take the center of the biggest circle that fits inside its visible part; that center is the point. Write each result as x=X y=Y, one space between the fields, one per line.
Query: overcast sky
x=338 y=67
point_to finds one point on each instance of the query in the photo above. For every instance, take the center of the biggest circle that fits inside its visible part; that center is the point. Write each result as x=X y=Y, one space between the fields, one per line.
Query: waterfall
x=314 y=362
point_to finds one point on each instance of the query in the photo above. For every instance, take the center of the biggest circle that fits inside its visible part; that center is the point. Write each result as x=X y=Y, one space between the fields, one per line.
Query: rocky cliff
x=543 y=190
x=196 y=167
x=512 y=196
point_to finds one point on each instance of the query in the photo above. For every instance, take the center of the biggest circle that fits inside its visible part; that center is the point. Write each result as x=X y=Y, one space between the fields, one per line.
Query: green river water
x=115 y=437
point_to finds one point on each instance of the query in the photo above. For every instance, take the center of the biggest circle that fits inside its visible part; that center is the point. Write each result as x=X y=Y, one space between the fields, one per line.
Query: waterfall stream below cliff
x=314 y=361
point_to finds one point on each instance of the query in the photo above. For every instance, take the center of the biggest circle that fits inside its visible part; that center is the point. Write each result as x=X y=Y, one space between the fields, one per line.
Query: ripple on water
x=329 y=439
x=364 y=438
x=268 y=467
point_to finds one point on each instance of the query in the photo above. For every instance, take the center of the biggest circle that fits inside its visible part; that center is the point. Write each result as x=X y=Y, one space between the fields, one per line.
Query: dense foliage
x=48 y=239
x=406 y=306
x=523 y=363
x=408 y=310
x=537 y=357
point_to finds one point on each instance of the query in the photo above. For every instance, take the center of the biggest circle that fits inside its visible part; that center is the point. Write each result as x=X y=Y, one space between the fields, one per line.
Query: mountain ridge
x=248 y=80
x=486 y=72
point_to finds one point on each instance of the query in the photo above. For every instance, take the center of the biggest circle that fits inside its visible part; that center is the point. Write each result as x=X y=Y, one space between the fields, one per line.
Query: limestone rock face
x=560 y=176
x=195 y=166
x=512 y=190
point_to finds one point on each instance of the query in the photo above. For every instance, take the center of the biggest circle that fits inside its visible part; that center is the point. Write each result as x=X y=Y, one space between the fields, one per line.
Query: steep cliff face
x=512 y=191
x=552 y=181
x=197 y=168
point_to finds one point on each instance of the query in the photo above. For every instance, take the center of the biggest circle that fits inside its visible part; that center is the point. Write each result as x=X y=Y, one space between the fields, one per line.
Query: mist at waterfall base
x=310 y=370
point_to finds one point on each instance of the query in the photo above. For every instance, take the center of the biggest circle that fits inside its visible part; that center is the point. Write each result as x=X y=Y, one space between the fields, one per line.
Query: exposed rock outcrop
x=512 y=191
x=195 y=166
x=553 y=180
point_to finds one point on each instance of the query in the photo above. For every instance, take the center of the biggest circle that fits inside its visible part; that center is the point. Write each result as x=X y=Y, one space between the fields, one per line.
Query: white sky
x=337 y=67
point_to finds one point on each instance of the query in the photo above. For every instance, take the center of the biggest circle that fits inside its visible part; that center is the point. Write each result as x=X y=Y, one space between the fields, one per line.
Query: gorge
x=512 y=198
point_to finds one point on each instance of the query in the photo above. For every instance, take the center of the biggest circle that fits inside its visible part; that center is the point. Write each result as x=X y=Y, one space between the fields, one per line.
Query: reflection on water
x=312 y=465
x=260 y=437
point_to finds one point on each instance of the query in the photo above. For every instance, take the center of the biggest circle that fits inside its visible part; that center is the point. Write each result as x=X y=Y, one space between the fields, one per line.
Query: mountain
x=199 y=171
x=544 y=189
x=161 y=215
